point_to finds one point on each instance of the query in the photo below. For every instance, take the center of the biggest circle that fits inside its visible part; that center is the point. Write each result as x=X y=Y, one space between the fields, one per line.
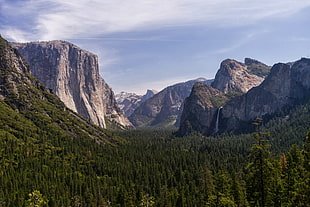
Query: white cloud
x=59 y=19
x=16 y=35
x=240 y=42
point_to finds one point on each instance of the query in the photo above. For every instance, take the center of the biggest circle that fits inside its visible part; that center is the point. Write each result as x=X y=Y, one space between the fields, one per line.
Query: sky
x=150 y=44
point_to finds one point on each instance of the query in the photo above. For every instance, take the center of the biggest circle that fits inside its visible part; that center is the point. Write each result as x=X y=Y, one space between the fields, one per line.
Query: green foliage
x=259 y=170
x=36 y=199
x=219 y=101
x=259 y=69
x=150 y=167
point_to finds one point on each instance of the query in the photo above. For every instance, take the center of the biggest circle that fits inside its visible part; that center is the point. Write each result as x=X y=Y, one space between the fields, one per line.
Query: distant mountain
x=284 y=86
x=163 y=110
x=128 y=102
x=73 y=75
x=30 y=112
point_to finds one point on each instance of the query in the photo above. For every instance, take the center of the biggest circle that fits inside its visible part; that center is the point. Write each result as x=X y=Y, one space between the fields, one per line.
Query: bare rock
x=73 y=75
x=234 y=76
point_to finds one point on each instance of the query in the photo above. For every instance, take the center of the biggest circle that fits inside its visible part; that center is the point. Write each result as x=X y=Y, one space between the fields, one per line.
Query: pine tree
x=297 y=176
x=259 y=170
x=238 y=191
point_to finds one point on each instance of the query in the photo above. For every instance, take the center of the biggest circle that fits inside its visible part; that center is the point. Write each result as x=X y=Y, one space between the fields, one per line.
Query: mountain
x=238 y=77
x=128 y=102
x=73 y=75
x=283 y=87
x=200 y=110
x=29 y=111
x=164 y=109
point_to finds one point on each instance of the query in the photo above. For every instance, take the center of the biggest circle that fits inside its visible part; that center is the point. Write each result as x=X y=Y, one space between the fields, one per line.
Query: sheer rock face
x=234 y=76
x=200 y=111
x=128 y=102
x=73 y=75
x=284 y=86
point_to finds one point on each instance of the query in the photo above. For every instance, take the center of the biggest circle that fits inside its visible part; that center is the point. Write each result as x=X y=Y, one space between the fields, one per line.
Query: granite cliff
x=201 y=109
x=236 y=76
x=164 y=109
x=285 y=86
x=73 y=75
x=29 y=111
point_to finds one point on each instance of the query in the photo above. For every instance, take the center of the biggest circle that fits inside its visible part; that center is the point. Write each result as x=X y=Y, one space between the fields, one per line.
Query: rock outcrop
x=128 y=102
x=73 y=75
x=284 y=86
x=29 y=111
x=235 y=76
x=164 y=109
x=201 y=109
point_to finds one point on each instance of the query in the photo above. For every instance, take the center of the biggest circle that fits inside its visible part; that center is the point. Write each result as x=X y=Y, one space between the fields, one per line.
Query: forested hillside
x=155 y=168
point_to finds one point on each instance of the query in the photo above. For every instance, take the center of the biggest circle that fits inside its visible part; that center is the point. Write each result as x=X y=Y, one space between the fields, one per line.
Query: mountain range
x=284 y=86
x=239 y=92
x=128 y=102
x=163 y=110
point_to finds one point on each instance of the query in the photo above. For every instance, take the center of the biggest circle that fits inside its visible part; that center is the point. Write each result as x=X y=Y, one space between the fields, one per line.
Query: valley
x=241 y=139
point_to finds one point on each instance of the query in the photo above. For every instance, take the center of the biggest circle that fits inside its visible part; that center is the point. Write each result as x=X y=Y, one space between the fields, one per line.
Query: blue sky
x=150 y=44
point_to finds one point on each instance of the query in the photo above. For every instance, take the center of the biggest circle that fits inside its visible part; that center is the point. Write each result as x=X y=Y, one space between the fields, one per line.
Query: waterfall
x=217 y=120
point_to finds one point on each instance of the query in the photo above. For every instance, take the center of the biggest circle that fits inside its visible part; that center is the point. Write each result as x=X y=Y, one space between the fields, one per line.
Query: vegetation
x=259 y=69
x=154 y=168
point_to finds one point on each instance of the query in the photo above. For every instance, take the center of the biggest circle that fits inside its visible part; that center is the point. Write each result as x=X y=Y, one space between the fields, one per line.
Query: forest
x=267 y=167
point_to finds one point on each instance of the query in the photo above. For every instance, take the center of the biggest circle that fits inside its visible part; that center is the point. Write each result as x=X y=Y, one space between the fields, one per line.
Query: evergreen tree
x=296 y=176
x=223 y=191
x=259 y=170
x=239 y=191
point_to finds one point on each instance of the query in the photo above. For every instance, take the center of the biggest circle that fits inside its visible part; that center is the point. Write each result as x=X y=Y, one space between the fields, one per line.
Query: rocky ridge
x=284 y=86
x=235 y=76
x=73 y=75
